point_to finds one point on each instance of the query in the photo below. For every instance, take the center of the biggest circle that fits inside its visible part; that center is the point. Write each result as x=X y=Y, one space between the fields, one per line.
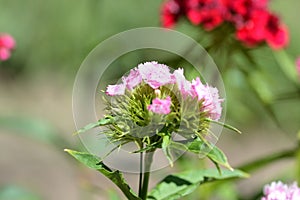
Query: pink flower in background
x=160 y=106
x=281 y=191
x=209 y=97
x=298 y=66
x=155 y=74
x=4 y=54
x=113 y=90
x=133 y=79
x=7 y=43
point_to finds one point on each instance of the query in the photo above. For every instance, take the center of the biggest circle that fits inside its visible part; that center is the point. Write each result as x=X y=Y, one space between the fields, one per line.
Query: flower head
x=133 y=79
x=160 y=106
x=252 y=21
x=281 y=191
x=155 y=74
x=151 y=102
x=113 y=90
x=184 y=85
x=211 y=103
x=7 y=43
x=4 y=54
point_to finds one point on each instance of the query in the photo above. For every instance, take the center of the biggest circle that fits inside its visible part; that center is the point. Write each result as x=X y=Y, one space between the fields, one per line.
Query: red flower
x=276 y=33
x=253 y=31
x=252 y=20
x=239 y=11
x=171 y=11
x=209 y=13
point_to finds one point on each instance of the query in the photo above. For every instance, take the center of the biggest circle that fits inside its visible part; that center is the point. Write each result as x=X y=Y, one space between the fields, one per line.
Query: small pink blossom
x=113 y=90
x=155 y=74
x=4 y=54
x=281 y=191
x=211 y=103
x=133 y=79
x=7 y=41
x=160 y=106
x=184 y=85
x=298 y=66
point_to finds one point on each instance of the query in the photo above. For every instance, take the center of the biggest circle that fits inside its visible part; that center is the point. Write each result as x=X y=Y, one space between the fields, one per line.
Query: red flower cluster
x=252 y=20
x=7 y=43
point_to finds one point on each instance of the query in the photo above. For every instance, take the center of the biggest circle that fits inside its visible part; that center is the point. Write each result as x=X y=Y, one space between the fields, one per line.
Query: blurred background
x=36 y=122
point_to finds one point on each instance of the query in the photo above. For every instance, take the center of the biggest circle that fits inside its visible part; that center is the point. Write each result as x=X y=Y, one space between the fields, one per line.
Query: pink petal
x=113 y=90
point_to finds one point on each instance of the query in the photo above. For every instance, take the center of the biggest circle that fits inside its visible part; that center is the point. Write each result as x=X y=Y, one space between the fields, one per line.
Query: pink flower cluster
x=7 y=43
x=160 y=106
x=281 y=191
x=157 y=75
x=252 y=20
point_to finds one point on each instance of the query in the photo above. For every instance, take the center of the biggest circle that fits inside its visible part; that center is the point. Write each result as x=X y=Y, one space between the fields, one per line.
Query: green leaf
x=116 y=177
x=101 y=122
x=287 y=65
x=225 y=125
x=178 y=185
x=166 y=148
x=213 y=153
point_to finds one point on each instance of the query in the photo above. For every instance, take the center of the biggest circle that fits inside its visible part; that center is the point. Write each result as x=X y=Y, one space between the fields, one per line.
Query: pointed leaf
x=116 y=177
x=166 y=148
x=178 y=185
x=101 y=122
x=213 y=153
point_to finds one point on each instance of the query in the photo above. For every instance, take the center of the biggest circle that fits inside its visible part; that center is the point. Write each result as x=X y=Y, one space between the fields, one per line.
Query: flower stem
x=256 y=164
x=141 y=170
x=148 y=161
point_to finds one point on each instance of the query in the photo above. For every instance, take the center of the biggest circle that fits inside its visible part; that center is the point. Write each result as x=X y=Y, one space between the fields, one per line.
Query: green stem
x=148 y=161
x=268 y=159
x=141 y=170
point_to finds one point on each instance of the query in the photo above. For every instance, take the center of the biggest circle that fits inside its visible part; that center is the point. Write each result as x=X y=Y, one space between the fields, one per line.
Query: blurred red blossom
x=7 y=43
x=251 y=19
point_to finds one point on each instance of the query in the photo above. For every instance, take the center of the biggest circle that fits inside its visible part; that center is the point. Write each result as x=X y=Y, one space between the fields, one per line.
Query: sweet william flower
x=211 y=103
x=281 y=191
x=133 y=79
x=252 y=31
x=276 y=33
x=4 y=54
x=113 y=90
x=155 y=74
x=160 y=106
x=251 y=20
x=7 y=41
x=206 y=12
x=170 y=12
x=184 y=85
x=152 y=103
